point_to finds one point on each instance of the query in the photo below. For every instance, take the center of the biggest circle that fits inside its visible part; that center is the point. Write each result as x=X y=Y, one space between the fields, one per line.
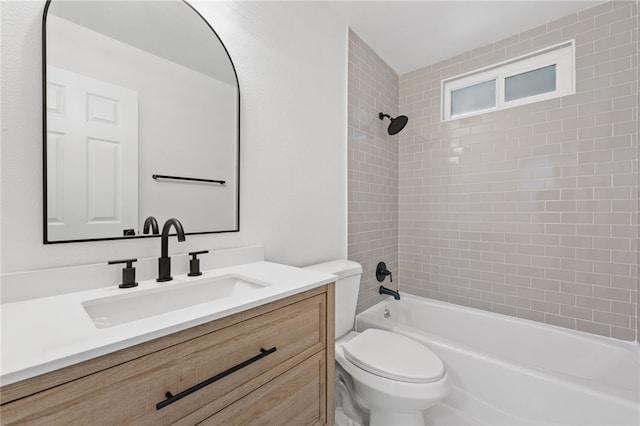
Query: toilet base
x=386 y=418
x=349 y=408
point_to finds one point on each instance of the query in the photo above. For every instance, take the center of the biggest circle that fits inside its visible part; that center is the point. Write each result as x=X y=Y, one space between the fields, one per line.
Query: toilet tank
x=347 y=288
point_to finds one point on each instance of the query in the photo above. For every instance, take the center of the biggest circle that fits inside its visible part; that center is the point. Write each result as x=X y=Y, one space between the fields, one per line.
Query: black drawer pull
x=173 y=398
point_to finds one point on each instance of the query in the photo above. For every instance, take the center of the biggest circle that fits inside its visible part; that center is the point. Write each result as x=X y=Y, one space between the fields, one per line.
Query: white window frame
x=561 y=55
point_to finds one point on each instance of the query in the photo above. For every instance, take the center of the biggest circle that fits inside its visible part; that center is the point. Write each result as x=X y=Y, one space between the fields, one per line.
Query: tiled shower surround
x=529 y=211
x=373 y=168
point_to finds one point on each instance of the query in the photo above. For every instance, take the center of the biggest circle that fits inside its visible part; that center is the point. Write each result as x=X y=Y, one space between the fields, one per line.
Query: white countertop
x=45 y=334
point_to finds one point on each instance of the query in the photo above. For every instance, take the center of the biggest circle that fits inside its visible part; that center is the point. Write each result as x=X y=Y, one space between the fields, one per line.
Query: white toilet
x=394 y=377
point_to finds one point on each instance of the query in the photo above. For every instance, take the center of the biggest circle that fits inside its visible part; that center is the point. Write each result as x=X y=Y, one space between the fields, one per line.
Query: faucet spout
x=165 y=235
x=164 y=262
x=384 y=290
x=152 y=223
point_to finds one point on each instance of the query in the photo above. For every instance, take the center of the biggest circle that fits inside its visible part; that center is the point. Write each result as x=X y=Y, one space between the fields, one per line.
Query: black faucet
x=164 y=262
x=150 y=222
x=383 y=290
x=381 y=273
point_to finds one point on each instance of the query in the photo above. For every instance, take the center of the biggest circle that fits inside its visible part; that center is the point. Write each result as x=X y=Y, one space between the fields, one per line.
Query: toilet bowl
x=394 y=378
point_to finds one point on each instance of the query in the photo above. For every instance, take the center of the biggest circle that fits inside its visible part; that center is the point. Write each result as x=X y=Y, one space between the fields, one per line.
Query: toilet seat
x=393 y=356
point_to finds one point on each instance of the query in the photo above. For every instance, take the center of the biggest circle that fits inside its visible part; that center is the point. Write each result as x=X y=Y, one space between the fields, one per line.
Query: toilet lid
x=393 y=356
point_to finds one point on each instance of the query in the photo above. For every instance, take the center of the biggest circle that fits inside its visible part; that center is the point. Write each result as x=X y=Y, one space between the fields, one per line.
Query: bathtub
x=511 y=371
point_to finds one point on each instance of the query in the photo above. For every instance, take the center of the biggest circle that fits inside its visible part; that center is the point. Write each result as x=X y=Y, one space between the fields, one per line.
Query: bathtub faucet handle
x=382 y=272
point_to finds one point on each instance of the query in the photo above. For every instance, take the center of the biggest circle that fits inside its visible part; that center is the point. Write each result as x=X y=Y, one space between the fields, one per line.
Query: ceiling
x=409 y=35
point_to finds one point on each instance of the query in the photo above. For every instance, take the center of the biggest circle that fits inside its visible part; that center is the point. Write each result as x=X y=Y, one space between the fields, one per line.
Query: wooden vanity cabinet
x=272 y=365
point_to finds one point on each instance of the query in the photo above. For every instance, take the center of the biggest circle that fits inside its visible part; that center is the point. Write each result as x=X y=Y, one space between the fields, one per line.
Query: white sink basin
x=123 y=308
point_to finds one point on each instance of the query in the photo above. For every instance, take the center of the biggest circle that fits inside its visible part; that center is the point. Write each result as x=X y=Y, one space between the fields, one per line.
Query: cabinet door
x=297 y=397
x=128 y=393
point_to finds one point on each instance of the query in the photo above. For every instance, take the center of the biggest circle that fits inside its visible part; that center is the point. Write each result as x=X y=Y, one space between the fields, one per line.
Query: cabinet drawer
x=128 y=393
x=297 y=397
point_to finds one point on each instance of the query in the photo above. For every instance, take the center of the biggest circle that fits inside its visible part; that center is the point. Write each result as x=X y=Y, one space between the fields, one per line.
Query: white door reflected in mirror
x=92 y=156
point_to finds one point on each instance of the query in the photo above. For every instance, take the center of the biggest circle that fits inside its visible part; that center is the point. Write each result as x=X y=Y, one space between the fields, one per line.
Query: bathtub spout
x=383 y=290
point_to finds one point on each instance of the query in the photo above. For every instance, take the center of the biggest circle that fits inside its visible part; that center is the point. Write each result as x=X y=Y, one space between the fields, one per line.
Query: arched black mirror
x=141 y=118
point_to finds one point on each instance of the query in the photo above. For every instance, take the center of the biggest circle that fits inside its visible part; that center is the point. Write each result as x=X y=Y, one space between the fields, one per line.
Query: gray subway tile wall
x=373 y=167
x=530 y=211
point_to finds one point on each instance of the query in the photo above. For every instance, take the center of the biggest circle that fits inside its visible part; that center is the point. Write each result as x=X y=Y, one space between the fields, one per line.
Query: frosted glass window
x=537 y=76
x=473 y=98
x=530 y=83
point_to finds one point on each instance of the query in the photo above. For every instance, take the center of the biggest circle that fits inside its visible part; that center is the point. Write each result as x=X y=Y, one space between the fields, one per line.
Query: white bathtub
x=509 y=371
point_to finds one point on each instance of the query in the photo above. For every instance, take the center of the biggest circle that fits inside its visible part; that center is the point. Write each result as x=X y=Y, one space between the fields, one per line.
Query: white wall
x=291 y=62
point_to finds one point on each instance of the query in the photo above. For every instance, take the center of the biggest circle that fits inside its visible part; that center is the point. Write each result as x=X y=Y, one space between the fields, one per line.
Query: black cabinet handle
x=173 y=398
x=221 y=182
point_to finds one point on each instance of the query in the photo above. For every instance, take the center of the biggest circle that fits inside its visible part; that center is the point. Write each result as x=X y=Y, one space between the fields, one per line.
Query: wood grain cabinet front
x=297 y=397
x=278 y=355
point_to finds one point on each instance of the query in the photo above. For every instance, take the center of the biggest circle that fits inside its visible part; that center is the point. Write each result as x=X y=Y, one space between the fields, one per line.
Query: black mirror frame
x=44 y=142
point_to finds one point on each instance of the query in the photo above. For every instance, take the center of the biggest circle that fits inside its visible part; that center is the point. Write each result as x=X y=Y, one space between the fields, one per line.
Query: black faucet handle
x=128 y=272
x=129 y=262
x=194 y=263
x=382 y=272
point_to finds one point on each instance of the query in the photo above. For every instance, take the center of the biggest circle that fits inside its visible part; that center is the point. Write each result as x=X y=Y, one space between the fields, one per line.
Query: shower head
x=397 y=124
